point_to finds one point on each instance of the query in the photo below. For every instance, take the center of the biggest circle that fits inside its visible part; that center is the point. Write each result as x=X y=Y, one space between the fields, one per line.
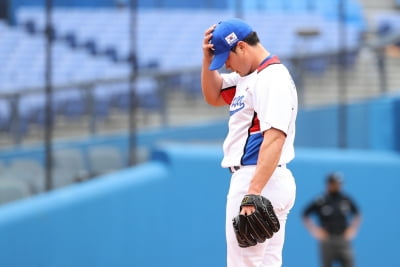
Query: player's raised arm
x=211 y=81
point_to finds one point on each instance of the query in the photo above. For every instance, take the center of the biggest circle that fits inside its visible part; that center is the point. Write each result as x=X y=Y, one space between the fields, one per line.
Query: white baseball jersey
x=263 y=99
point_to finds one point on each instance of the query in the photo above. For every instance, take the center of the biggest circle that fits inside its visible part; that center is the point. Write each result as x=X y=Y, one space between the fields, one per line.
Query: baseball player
x=333 y=209
x=262 y=103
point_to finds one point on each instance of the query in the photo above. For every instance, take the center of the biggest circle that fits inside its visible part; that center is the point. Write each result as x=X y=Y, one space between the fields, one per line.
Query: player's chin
x=235 y=71
x=241 y=74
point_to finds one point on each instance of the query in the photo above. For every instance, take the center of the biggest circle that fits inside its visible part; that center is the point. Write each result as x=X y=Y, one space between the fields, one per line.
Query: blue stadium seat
x=299 y=5
x=147 y=94
x=353 y=12
x=70 y=102
x=34 y=15
x=102 y=96
x=31 y=109
x=272 y=5
x=352 y=40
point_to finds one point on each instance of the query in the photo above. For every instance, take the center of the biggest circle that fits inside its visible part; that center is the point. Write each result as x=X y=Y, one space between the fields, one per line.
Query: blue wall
x=372 y=179
x=371 y=124
x=170 y=212
x=158 y=214
x=95 y=224
x=210 y=131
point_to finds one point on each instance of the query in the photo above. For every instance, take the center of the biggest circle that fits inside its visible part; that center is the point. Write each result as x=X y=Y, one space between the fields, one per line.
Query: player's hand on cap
x=207 y=46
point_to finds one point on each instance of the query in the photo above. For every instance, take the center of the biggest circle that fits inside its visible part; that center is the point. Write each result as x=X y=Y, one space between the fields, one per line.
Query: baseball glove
x=258 y=226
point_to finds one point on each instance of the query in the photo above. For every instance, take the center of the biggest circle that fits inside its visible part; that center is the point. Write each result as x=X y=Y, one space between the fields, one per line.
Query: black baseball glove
x=258 y=226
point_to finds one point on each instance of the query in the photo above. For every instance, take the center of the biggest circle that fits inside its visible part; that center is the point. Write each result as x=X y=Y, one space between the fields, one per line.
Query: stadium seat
x=68 y=101
x=273 y=5
x=104 y=159
x=299 y=5
x=69 y=165
x=63 y=177
x=29 y=171
x=102 y=96
x=335 y=42
x=33 y=15
x=13 y=189
x=147 y=94
x=32 y=108
x=352 y=10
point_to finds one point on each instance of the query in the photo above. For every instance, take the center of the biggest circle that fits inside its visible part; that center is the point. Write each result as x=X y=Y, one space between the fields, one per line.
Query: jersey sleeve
x=228 y=90
x=275 y=99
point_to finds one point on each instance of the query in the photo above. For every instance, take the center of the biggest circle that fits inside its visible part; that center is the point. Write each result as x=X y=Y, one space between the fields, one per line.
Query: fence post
x=342 y=82
x=49 y=98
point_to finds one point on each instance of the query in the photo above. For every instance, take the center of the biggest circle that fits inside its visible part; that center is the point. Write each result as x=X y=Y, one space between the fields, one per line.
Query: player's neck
x=260 y=54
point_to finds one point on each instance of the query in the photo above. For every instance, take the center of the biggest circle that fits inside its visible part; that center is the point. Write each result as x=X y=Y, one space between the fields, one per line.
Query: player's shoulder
x=276 y=76
x=276 y=71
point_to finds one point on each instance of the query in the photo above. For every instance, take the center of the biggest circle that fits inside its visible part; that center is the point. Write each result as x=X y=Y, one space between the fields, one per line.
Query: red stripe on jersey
x=270 y=61
x=228 y=94
x=255 y=124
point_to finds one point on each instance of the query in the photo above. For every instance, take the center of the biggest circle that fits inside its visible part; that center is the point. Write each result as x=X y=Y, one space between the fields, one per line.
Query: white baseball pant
x=281 y=191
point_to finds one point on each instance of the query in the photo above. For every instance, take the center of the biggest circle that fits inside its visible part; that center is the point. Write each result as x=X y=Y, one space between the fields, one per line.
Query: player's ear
x=241 y=46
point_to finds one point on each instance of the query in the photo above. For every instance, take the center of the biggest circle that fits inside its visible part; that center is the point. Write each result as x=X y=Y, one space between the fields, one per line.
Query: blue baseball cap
x=225 y=36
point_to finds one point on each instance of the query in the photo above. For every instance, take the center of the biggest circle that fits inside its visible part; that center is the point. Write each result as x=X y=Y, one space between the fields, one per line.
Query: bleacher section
x=23 y=71
x=173 y=44
x=166 y=39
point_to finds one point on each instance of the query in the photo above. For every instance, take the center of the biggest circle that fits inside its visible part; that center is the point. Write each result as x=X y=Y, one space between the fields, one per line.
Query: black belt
x=236 y=168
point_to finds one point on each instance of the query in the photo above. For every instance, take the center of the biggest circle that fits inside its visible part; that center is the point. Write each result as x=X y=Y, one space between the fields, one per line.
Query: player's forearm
x=268 y=160
x=211 y=83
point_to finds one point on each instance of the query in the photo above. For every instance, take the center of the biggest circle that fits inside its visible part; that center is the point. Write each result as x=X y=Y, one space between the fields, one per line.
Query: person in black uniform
x=339 y=219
